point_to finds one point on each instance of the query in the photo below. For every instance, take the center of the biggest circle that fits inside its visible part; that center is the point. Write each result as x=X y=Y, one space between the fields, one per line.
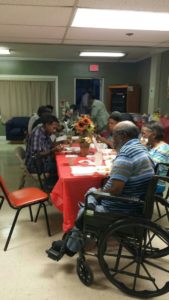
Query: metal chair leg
x=31 y=215
x=47 y=220
x=2 y=201
x=37 y=214
x=11 y=230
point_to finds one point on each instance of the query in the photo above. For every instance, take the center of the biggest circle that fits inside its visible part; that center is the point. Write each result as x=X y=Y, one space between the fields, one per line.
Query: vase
x=84 y=148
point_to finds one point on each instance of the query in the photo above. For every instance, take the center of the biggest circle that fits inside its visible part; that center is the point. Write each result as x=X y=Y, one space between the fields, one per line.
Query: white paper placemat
x=81 y=171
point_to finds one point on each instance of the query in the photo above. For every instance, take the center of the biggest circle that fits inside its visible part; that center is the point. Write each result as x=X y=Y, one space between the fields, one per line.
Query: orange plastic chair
x=25 y=197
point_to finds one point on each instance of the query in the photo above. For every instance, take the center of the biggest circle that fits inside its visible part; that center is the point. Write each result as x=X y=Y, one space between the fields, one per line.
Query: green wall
x=113 y=73
x=143 y=77
x=2 y=129
x=164 y=82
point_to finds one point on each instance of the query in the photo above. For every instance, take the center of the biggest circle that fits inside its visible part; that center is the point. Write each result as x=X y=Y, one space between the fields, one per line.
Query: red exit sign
x=94 y=68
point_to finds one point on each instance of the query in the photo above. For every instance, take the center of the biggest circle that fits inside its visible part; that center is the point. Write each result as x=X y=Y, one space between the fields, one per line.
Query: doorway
x=83 y=85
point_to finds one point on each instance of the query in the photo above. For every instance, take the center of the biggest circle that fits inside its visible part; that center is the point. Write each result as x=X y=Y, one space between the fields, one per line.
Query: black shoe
x=59 y=246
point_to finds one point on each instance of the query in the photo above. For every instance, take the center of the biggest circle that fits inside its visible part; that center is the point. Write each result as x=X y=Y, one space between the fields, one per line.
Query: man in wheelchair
x=131 y=172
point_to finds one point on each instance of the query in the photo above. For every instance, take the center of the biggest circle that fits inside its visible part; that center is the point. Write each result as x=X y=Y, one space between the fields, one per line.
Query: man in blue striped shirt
x=132 y=169
x=131 y=172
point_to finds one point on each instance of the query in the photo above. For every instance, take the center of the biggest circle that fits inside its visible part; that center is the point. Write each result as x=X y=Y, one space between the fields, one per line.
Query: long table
x=70 y=190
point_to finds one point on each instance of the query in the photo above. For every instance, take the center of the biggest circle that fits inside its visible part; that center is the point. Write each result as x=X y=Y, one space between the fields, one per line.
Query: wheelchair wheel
x=84 y=272
x=134 y=256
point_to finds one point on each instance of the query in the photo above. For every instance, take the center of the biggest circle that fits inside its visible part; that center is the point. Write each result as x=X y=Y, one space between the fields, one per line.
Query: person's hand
x=91 y=190
x=100 y=138
x=58 y=148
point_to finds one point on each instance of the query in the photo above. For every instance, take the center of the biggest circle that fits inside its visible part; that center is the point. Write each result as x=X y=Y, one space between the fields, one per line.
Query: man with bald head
x=132 y=169
x=131 y=172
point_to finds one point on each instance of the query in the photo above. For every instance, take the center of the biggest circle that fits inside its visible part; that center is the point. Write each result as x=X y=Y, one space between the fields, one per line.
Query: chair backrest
x=20 y=153
x=162 y=169
x=151 y=195
x=42 y=176
x=5 y=191
x=38 y=175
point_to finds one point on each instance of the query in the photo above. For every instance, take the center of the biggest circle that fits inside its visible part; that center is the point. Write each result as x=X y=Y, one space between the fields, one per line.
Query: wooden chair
x=22 y=198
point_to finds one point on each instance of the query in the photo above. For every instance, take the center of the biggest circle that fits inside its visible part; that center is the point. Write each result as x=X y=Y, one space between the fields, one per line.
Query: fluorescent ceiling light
x=4 y=51
x=102 y=54
x=121 y=19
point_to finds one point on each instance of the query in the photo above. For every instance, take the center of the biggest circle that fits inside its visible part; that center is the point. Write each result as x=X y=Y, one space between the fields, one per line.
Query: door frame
x=86 y=78
x=36 y=78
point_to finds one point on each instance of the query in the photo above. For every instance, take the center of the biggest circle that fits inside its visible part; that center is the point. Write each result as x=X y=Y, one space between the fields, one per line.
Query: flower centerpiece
x=85 y=127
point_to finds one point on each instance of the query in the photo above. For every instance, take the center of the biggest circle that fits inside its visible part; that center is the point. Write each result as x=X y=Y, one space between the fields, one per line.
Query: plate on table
x=103 y=170
x=81 y=171
x=67 y=151
x=75 y=149
x=109 y=157
x=86 y=162
x=75 y=138
x=107 y=151
x=61 y=138
x=90 y=156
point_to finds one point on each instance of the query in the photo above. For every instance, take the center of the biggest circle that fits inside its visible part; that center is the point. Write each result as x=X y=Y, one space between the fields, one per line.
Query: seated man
x=40 y=145
x=131 y=172
x=36 y=117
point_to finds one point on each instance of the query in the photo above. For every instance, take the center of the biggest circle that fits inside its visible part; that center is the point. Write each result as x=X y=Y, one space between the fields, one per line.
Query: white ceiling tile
x=149 y=5
x=39 y=2
x=85 y=44
x=41 y=29
x=13 y=39
x=34 y=15
x=31 y=32
x=110 y=35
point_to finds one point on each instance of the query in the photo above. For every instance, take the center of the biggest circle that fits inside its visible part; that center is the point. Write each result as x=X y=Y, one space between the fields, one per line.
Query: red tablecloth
x=69 y=190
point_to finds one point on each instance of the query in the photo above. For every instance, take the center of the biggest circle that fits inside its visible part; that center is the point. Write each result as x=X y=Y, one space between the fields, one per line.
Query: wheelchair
x=132 y=251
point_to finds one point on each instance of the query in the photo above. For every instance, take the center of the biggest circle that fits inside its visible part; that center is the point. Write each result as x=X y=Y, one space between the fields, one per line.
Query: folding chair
x=22 y=198
x=20 y=154
x=43 y=179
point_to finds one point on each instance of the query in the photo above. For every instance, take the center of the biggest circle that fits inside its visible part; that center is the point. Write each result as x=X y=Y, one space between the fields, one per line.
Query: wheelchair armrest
x=163 y=178
x=99 y=195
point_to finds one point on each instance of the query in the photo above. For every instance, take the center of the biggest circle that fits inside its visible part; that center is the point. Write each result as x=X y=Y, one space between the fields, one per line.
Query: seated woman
x=107 y=135
x=153 y=135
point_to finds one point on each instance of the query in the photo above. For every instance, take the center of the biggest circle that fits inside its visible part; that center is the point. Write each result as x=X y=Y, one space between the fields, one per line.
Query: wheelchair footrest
x=53 y=254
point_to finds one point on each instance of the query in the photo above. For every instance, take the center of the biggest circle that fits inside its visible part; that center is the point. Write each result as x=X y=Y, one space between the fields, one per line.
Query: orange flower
x=84 y=125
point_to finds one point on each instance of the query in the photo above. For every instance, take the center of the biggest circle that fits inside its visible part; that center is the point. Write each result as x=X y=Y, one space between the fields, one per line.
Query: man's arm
x=115 y=187
x=57 y=148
